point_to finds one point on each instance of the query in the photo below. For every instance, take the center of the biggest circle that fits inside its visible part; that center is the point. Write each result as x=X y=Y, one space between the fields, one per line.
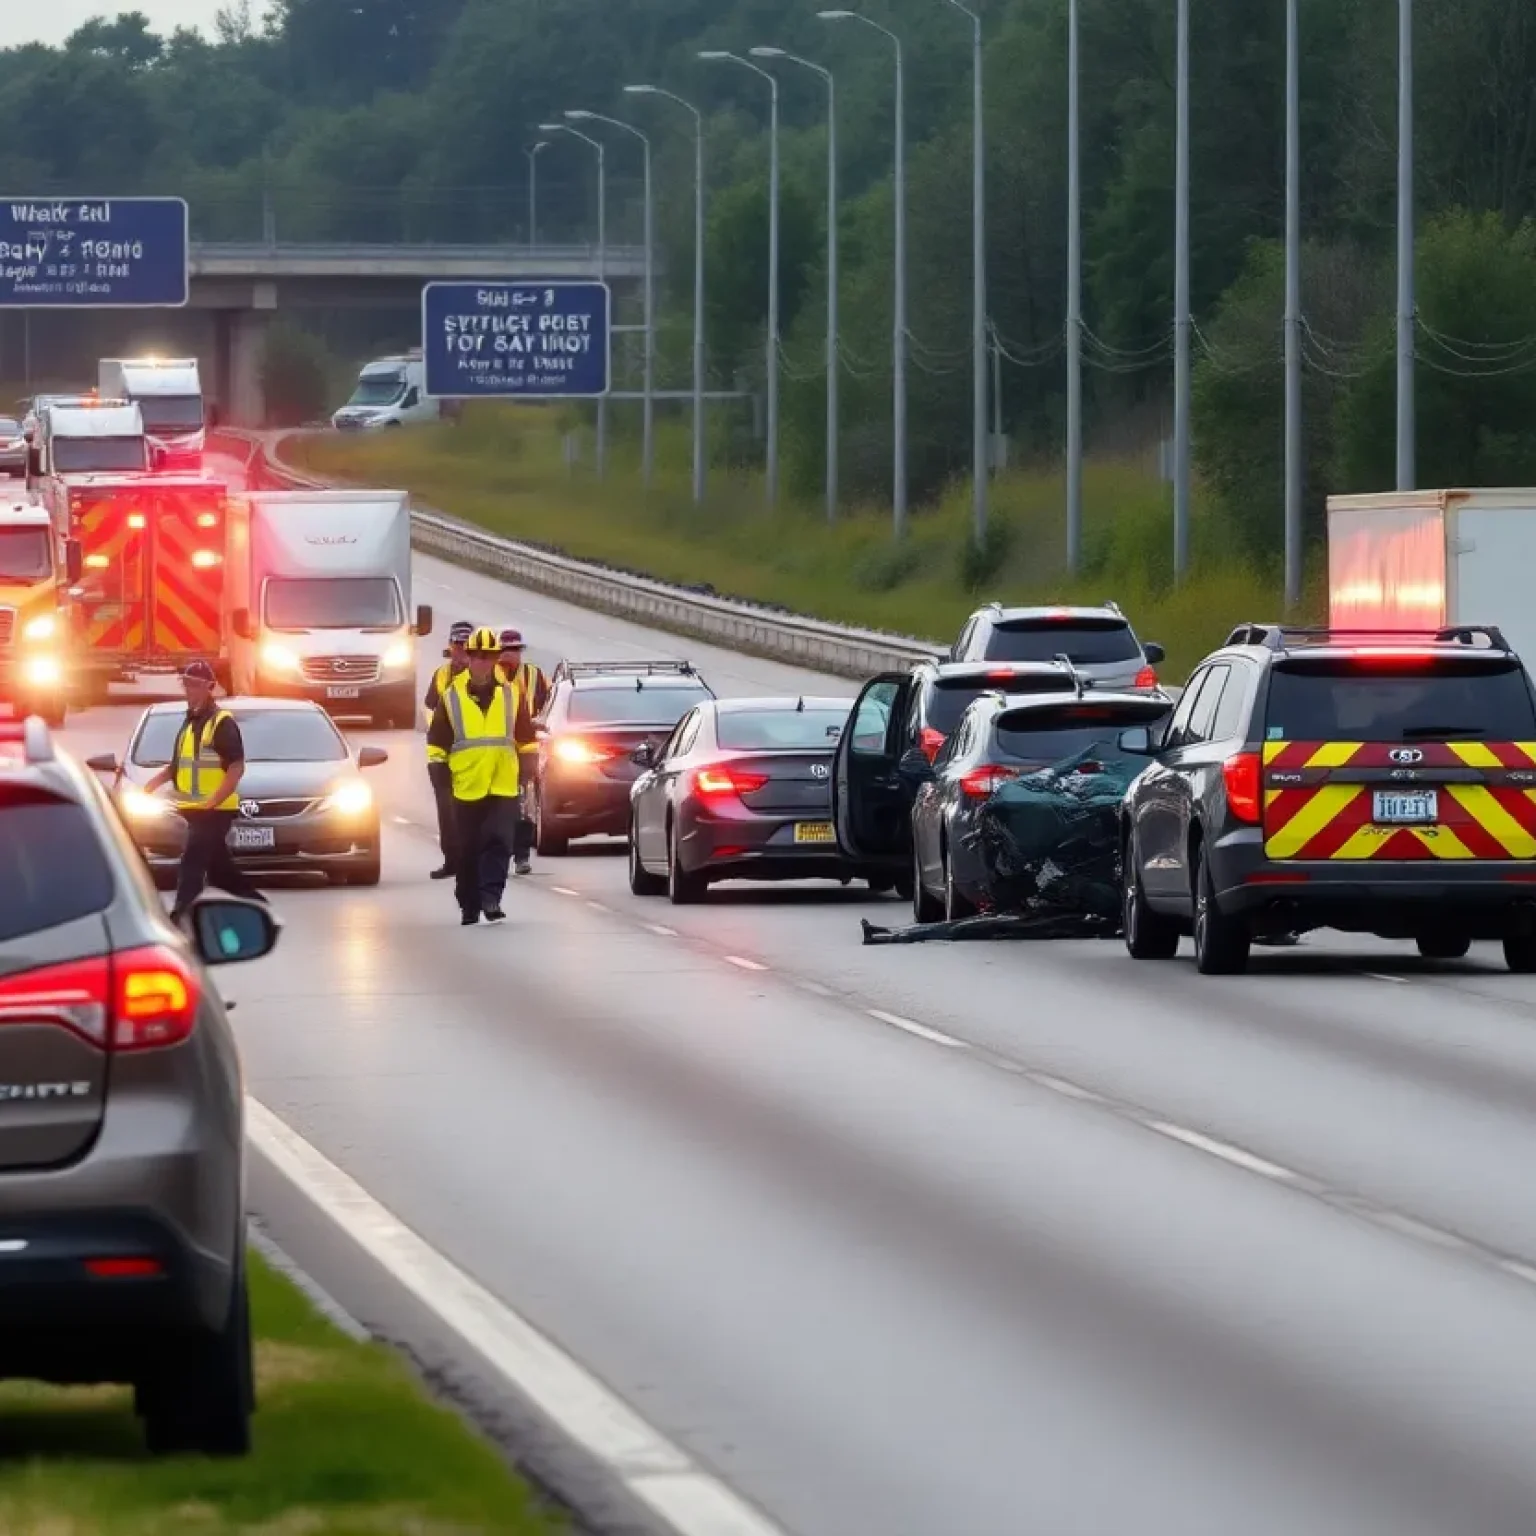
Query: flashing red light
x=135 y=519
x=1241 y=774
x=207 y=519
x=981 y=782
x=1387 y=656
x=204 y=559
x=929 y=741
x=138 y=1000
x=1002 y=675
x=719 y=783
x=1146 y=678
x=124 y=1268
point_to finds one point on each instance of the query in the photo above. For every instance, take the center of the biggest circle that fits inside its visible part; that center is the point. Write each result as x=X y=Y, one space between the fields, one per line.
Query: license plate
x=342 y=693
x=1406 y=807
x=814 y=832
x=249 y=838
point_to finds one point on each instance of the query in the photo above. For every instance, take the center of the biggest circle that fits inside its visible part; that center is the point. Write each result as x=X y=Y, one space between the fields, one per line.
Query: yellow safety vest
x=443 y=677
x=195 y=760
x=524 y=678
x=483 y=756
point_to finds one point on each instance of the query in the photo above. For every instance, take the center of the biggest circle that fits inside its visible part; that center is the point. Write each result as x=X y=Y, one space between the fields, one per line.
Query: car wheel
x=202 y=1397
x=956 y=906
x=1148 y=934
x=549 y=845
x=683 y=887
x=1221 y=942
x=1520 y=954
x=924 y=908
x=641 y=881
x=365 y=872
x=1442 y=946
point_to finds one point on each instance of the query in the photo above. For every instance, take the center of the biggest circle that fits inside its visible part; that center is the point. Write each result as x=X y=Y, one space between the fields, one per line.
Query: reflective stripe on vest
x=483 y=758
x=528 y=680
x=198 y=769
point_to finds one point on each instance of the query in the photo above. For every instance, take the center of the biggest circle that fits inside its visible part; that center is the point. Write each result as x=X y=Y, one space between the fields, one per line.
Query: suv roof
x=1006 y=615
x=1284 y=639
x=627 y=674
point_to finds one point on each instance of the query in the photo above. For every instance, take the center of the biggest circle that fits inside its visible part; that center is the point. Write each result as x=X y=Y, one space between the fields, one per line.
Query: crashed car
x=1018 y=813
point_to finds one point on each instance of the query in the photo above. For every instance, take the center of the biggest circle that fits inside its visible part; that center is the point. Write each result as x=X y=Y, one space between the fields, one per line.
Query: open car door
x=870 y=806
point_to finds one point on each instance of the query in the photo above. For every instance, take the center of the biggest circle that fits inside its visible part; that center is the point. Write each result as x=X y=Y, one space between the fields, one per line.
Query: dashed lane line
x=743 y=964
x=1223 y=1150
x=922 y=1031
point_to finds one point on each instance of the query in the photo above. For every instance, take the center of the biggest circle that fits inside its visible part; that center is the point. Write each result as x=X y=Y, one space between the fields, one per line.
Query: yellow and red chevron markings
x=103 y=531
x=186 y=599
x=1330 y=817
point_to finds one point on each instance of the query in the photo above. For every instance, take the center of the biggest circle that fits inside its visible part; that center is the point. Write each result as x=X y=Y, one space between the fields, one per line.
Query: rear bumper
x=586 y=806
x=746 y=847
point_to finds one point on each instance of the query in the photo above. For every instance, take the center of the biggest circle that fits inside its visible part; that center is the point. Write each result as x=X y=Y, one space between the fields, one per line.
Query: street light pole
x=698 y=277
x=1407 y=471
x=772 y=368
x=648 y=426
x=532 y=153
x=1074 y=307
x=602 y=264
x=1293 y=403
x=832 y=278
x=1181 y=316
x=899 y=319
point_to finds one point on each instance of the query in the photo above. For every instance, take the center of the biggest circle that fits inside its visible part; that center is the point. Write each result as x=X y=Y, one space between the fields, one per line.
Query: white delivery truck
x=318 y=600
x=1432 y=559
x=169 y=395
x=76 y=437
x=390 y=392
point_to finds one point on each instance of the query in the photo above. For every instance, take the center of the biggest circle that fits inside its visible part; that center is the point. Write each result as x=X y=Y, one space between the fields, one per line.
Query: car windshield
x=172 y=413
x=52 y=869
x=380 y=391
x=98 y=455
x=25 y=555
x=270 y=736
x=1041 y=737
x=332 y=602
x=624 y=704
x=768 y=730
x=1453 y=700
x=1088 y=642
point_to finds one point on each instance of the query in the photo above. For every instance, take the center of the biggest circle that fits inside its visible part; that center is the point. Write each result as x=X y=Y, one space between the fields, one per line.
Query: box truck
x=390 y=392
x=169 y=395
x=318 y=595
x=1430 y=559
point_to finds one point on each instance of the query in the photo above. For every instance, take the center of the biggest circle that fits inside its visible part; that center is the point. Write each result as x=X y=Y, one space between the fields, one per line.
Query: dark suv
x=1099 y=642
x=122 y=1180
x=1370 y=782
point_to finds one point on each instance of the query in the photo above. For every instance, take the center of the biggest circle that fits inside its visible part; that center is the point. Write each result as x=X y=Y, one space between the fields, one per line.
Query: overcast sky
x=53 y=22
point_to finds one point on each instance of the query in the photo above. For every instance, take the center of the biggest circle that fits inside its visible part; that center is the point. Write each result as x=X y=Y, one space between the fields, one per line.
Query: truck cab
x=390 y=392
x=169 y=395
x=37 y=571
x=79 y=437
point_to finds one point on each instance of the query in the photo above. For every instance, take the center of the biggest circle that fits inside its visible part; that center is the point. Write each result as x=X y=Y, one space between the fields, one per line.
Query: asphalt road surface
x=973 y=1240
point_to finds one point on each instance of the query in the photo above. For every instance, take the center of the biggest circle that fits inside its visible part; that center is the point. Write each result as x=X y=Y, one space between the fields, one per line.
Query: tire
x=1520 y=954
x=365 y=872
x=641 y=881
x=1149 y=935
x=683 y=889
x=548 y=845
x=924 y=908
x=201 y=1399
x=1444 y=947
x=881 y=885
x=1221 y=942
x=956 y=906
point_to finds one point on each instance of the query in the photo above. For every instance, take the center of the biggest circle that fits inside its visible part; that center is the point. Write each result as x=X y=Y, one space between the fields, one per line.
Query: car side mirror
x=644 y=755
x=1136 y=742
x=424 y=619
x=914 y=769
x=1155 y=654
x=74 y=560
x=371 y=757
x=226 y=929
x=103 y=762
x=240 y=622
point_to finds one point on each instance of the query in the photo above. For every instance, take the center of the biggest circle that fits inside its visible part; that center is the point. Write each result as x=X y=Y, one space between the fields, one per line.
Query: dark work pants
x=441 y=776
x=208 y=861
x=487 y=829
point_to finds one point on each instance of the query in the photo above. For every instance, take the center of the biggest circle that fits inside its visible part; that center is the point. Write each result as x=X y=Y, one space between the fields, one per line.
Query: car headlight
x=350 y=799
x=44 y=627
x=137 y=806
x=42 y=671
x=398 y=655
x=278 y=658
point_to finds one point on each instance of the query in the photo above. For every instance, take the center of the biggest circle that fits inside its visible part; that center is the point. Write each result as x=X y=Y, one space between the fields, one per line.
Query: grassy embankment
x=346 y=1444
x=502 y=466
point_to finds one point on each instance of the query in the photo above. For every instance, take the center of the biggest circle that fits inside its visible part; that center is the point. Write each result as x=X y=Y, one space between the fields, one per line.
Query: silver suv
x=122 y=1216
x=1099 y=642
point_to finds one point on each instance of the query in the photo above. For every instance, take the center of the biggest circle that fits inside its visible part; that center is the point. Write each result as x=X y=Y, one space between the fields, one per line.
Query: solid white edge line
x=1228 y=1154
x=922 y=1031
x=692 y=1501
x=1063 y=1087
x=743 y=964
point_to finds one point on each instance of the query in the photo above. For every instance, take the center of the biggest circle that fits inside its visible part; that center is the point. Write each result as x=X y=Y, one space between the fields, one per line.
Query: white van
x=390 y=392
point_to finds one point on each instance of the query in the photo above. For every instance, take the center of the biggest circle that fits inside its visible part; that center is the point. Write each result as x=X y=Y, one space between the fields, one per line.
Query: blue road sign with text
x=93 y=253
x=520 y=340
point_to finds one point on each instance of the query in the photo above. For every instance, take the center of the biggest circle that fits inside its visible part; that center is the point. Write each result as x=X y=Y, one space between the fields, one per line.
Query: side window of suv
x=1179 y=724
x=52 y=867
x=1202 y=718
x=1230 y=712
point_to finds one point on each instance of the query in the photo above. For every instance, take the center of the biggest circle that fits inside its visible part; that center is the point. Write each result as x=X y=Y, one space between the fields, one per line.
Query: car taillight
x=1241 y=775
x=133 y=1001
x=929 y=741
x=981 y=782
x=1146 y=678
x=721 y=782
x=572 y=749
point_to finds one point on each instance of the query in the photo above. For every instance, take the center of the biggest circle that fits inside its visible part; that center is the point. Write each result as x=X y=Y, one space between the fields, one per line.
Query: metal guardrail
x=835 y=649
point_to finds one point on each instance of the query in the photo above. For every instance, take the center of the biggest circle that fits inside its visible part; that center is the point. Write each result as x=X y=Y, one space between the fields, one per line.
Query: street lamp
x=899 y=323
x=698 y=277
x=1407 y=469
x=979 y=453
x=532 y=153
x=602 y=265
x=648 y=430
x=716 y=56
x=1074 y=304
x=832 y=363
x=1182 y=320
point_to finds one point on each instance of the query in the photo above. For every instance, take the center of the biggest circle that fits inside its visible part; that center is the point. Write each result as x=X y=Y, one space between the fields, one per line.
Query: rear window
x=1344 y=701
x=949 y=698
x=629 y=705
x=1088 y=642
x=769 y=730
x=1040 y=737
x=52 y=868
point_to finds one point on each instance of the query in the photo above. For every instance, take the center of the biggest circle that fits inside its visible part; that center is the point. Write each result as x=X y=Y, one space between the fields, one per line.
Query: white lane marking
x=817 y=988
x=922 y=1031
x=662 y=929
x=743 y=964
x=1227 y=1153
x=692 y=1501
x=1064 y=1088
x=1520 y=1271
x=564 y=890
x=1401 y=981
x=402 y=821
x=597 y=906
x=1420 y=1231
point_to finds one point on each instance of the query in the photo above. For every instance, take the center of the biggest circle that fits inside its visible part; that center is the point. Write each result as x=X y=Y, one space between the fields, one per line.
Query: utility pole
x=1293 y=420
x=532 y=153
x=1074 y=305
x=1181 y=315
x=1407 y=473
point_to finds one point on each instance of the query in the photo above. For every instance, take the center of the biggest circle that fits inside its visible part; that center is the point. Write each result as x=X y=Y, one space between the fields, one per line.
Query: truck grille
x=7 y=625
x=341 y=669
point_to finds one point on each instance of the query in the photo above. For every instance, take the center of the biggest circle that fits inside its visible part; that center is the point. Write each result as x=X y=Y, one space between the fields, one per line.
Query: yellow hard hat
x=484 y=641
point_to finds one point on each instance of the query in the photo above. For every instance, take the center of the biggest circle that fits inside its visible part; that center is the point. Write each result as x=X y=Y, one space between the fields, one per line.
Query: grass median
x=346 y=1444
x=504 y=467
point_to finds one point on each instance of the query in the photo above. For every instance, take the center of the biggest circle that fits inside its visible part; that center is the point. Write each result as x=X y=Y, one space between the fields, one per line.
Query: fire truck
x=151 y=586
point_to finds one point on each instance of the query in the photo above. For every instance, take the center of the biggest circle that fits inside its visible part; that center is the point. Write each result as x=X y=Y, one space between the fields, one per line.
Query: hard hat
x=483 y=642
x=511 y=640
x=198 y=672
x=458 y=634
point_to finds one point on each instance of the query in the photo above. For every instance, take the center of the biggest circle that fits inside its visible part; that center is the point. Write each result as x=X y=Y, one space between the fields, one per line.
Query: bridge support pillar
x=240 y=337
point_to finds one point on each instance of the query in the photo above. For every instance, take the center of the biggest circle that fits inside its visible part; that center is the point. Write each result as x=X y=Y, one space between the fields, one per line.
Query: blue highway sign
x=520 y=340
x=93 y=253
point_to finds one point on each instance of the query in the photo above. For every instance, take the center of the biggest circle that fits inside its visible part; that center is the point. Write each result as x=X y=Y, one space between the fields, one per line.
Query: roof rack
x=1282 y=637
x=33 y=734
x=574 y=669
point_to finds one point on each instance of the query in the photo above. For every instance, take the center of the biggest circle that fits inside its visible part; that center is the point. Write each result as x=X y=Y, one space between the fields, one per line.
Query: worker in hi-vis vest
x=207 y=763
x=535 y=688
x=480 y=722
x=453 y=665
